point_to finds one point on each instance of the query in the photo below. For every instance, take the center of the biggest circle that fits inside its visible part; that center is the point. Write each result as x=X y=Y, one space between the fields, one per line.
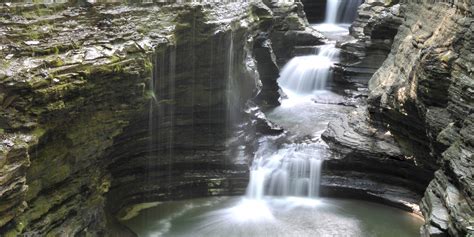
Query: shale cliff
x=419 y=112
x=423 y=94
x=104 y=106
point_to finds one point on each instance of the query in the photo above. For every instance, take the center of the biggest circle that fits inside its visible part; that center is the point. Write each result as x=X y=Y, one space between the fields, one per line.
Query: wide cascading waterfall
x=293 y=170
x=306 y=74
x=341 y=11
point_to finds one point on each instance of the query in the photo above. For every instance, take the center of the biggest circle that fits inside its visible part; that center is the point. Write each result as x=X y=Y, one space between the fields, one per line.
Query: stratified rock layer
x=109 y=105
x=421 y=98
x=423 y=93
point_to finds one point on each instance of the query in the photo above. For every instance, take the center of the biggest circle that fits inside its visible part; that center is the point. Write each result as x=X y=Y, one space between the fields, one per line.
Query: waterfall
x=305 y=74
x=332 y=8
x=341 y=11
x=294 y=170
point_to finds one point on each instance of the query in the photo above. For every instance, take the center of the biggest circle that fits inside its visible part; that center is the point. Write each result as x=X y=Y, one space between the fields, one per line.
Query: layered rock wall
x=423 y=95
x=419 y=112
x=180 y=146
x=108 y=105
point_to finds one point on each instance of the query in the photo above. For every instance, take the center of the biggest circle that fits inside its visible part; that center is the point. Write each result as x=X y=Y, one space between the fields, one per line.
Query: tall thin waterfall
x=332 y=8
x=341 y=11
x=306 y=74
x=293 y=170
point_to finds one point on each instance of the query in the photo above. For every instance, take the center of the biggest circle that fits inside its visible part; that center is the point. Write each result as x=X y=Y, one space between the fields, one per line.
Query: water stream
x=341 y=11
x=282 y=197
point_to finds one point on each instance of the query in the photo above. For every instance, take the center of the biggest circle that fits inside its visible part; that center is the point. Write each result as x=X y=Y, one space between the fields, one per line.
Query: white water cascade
x=306 y=74
x=341 y=11
x=332 y=8
x=293 y=170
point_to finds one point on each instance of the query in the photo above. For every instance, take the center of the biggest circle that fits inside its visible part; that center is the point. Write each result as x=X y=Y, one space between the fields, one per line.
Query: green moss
x=115 y=58
x=167 y=102
x=37 y=82
x=33 y=189
x=60 y=174
x=150 y=94
x=13 y=233
x=58 y=105
x=143 y=29
x=118 y=68
x=33 y=35
x=39 y=132
x=56 y=50
x=57 y=62
x=130 y=212
x=148 y=66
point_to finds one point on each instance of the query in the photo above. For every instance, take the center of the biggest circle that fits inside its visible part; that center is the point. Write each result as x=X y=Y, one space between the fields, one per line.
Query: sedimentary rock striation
x=423 y=94
x=422 y=98
x=109 y=105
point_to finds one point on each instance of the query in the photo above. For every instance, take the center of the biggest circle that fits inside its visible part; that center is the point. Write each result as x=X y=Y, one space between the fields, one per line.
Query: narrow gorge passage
x=282 y=197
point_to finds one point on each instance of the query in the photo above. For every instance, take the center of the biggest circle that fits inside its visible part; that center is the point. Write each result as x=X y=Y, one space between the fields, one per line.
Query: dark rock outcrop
x=372 y=36
x=423 y=92
x=291 y=29
x=421 y=96
x=368 y=163
x=103 y=103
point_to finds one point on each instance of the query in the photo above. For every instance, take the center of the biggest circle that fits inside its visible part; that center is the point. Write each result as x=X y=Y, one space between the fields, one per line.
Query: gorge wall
x=419 y=111
x=423 y=94
x=109 y=105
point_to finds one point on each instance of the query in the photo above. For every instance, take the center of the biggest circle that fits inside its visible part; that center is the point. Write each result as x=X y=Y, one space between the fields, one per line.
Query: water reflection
x=285 y=217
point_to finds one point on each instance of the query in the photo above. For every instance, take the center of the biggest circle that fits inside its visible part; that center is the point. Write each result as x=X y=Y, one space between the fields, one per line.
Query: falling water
x=232 y=95
x=306 y=74
x=341 y=11
x=293 y=170
x=331 y=11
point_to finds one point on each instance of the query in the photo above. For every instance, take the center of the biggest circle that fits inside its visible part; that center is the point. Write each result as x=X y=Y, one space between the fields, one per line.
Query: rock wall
x=368 y=161
x=372 y=35
x=181 y=147
x=423 y=95
x=70 y=82
x=315 y=10
x=419 y=113
x=291 y=30
x=108 y=105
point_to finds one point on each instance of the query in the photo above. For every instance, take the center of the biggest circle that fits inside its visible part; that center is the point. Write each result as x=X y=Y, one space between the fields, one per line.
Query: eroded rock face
x=179 y=147
x=421 y=100
x=423 y=95
x=103 y=104
x=71 y=81
x=291 y=30
x=372 y=35
x=369 y=163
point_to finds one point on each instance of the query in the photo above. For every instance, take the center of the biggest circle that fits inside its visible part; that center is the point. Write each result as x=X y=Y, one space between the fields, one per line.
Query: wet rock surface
x=428 y=105
x=369 y=163
x=291 y=30
x=109 y=105
x=422 y=97
x=372 y=35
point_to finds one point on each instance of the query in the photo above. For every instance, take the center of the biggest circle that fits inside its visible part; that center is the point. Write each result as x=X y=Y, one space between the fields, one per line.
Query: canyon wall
x=109 y=105
x=419 y=111
x=423 y=95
